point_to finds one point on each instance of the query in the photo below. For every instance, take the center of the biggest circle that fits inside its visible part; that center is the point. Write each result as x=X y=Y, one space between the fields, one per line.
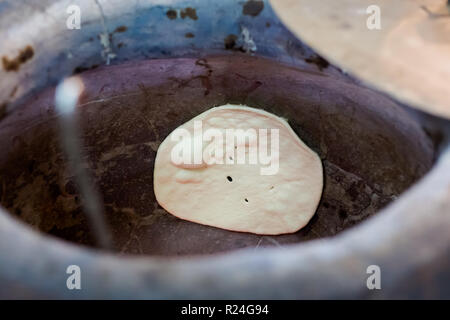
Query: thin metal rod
x=66 y=99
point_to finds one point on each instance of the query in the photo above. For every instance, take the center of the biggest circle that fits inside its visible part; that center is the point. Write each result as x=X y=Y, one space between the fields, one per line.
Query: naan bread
x=239 y=197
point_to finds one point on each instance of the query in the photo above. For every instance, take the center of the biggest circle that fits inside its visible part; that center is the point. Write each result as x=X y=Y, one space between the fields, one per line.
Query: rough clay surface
x=371 y=150
x=236 y=196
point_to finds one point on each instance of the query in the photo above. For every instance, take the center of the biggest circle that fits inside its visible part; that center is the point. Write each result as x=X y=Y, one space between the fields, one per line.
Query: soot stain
x=121 y=29
x=189 y=12
x=14 y=64
x=171 y=14
x=320 y=62
x=253 y=7
x=230 y=41
x=80 y=69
